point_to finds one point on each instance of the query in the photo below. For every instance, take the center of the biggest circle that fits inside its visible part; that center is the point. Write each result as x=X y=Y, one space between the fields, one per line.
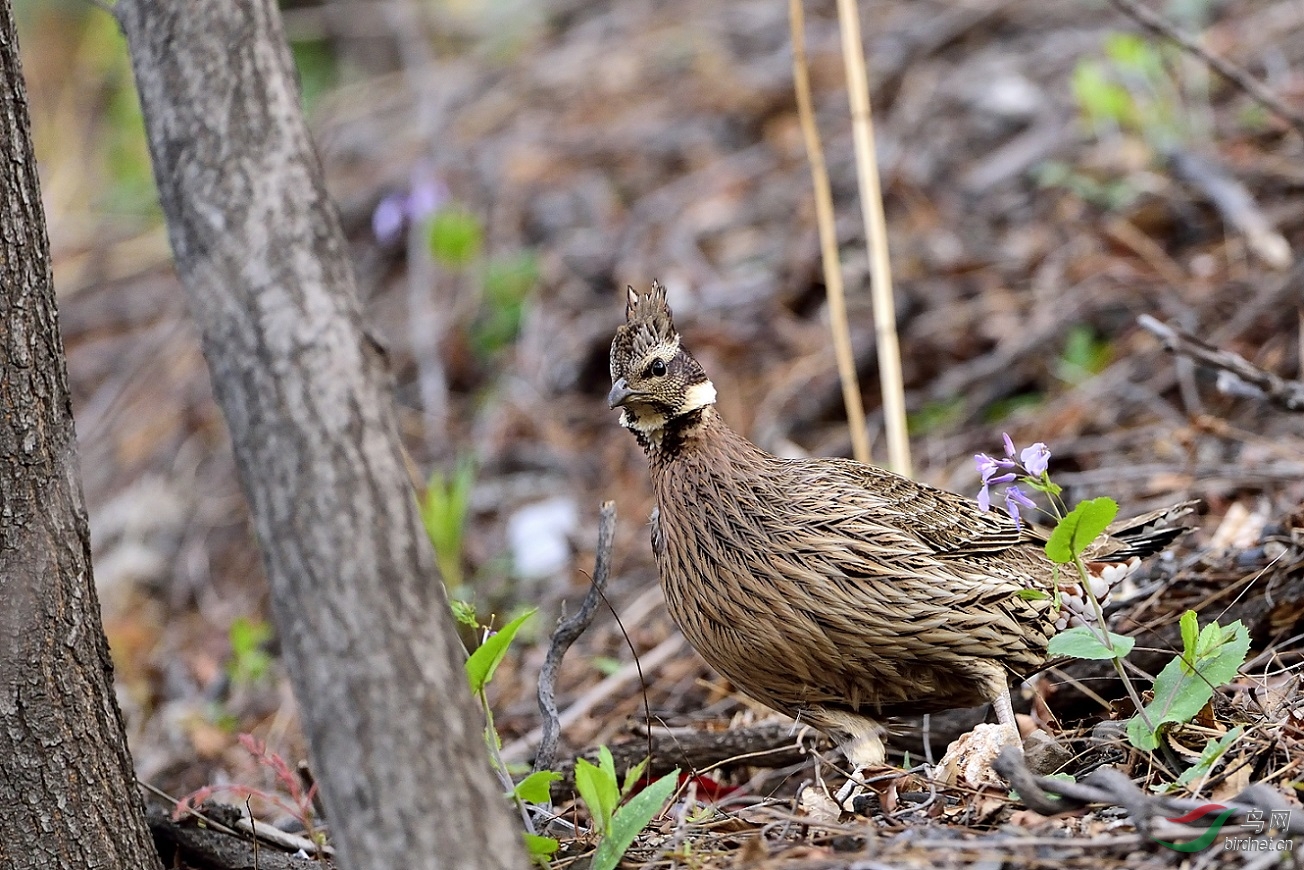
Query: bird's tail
x=1140 y=536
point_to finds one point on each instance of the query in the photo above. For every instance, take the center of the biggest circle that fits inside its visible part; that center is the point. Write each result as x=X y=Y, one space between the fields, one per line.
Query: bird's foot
x=969 y=759
x=867 y=786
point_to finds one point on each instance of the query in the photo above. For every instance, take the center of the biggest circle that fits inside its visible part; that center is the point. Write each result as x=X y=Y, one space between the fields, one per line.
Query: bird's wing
x=948 y=524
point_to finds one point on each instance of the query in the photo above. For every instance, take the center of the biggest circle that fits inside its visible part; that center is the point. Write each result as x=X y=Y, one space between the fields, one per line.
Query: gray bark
x=369 y=641
x=68 y=795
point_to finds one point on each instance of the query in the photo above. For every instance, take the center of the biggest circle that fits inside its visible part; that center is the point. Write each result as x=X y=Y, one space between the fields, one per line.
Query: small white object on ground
x=539 y=537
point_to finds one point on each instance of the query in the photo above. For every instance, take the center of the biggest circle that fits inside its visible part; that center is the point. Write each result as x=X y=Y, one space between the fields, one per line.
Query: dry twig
x=1236 y=375
x=654 y=658
x=828 y=237
x=566 y=634
x=1236 y=205
x=1110 y=786
x=871 y=208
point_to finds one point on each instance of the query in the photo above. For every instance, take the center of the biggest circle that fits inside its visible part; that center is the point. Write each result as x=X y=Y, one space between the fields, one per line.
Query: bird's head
x=653 y=380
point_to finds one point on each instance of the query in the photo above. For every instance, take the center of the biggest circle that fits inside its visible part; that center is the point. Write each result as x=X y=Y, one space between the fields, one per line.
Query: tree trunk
x=368 y=637
x=68 y=795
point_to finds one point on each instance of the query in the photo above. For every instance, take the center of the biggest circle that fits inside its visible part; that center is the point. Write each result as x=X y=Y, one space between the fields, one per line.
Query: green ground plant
x=445 y=507
x=617 y=811
x=250 y=661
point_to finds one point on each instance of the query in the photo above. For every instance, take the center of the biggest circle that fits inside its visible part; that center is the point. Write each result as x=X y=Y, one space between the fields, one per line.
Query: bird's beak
x=620 y=394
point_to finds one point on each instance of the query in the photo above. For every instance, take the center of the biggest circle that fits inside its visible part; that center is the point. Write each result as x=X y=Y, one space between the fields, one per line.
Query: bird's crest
x=649 y=322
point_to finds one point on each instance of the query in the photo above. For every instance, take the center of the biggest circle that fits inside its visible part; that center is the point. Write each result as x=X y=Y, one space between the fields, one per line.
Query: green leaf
x=1100 y=98
x=1076 y=532
x=455 y=236
x=1213 y=750
x=444 y=510
x=1190 y=624
x=607 y=763
x=1184 y=686
x=1032 y=594
x=599 y=793
x=540 y=848
x=482 y=663
x=1134 y=54
x=1081 y=642
x=1084 y=355
x=631 y=819
x=1042 y=484
x=534 y=788
x=632 y=777
x=249 y=661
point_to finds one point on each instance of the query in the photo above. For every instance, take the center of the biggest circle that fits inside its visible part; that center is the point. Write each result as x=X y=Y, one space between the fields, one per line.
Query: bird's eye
x=658 y=368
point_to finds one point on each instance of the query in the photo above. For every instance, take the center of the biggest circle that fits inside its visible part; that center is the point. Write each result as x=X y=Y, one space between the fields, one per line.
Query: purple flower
x=987 y=467
x=1015 y=495
x=1031 y=465
x=388 y=219
x=1013 y=498
x=425 y=195
x=1035 y=459
x=428 y=194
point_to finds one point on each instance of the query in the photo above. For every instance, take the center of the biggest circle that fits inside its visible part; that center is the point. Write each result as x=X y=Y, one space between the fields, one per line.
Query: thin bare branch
x=1236 y=375
x=566 y=634
x=871 y=208
x=828 y=237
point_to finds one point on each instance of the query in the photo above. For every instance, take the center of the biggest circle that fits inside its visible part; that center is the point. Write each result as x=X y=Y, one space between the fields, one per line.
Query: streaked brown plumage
x=832 y=591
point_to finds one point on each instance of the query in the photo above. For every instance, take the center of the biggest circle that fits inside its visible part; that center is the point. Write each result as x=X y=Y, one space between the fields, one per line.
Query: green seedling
x=444 y=511
x=602 y=793
x=1211 y=657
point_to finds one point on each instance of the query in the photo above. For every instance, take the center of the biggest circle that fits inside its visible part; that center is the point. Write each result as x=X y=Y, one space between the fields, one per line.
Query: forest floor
x=1048 y=180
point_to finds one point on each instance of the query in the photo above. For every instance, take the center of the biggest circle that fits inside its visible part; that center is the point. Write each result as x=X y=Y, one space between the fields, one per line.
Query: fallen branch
x=220 y=839
x=1237 y=375
x=772 y=745
x=566 y=634
x=1111 y=787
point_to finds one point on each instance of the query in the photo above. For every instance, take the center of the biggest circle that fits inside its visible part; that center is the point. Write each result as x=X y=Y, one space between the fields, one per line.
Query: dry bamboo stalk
x=828 y=238
x=871 y=208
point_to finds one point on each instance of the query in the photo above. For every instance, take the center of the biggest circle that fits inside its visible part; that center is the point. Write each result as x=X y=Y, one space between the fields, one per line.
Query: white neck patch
x=698 y=396
x=650 y=423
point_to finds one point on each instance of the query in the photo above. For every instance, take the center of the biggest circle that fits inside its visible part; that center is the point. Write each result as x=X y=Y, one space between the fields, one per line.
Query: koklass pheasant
x=835 y=592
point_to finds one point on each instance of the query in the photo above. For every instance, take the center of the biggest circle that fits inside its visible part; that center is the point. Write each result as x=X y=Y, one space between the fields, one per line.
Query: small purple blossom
x=1014 y=497
x=425 y=195
x=1030 y=466
x=388 y=219
x=987 y=467
x=428 y=194
x=1035 y=459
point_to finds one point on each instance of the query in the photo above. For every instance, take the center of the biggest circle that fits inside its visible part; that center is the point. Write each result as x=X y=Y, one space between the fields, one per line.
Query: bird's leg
x=1005 y=715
